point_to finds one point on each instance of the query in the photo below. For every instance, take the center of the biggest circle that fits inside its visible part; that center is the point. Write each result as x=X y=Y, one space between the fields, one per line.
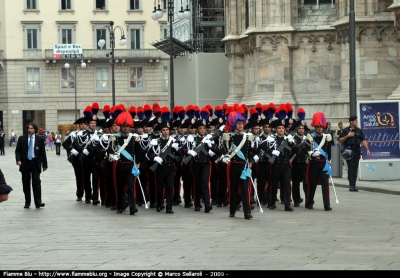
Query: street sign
x=67 y=51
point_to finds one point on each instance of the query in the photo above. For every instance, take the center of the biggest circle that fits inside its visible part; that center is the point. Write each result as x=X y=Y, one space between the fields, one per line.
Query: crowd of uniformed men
x=226 y=156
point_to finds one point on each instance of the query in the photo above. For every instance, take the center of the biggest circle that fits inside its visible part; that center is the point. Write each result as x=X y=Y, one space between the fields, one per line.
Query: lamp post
x=83 y=65
x=182 y=14
x=122 y=42
x=352 y=46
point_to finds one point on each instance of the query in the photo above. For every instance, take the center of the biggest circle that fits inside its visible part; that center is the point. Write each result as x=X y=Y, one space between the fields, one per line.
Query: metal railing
x=119 y=54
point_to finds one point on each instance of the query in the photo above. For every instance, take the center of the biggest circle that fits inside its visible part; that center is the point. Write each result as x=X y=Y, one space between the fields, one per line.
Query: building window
x=102 y=79
x=101 y=4
x=134 y=4
x=135 y=39
x=101 y=34
x=165 y=4
x=66 y=36
x=31 y=4
x=315 y=2
x=67 y=79
x=32 y=79
x=32 y=39
x=136 y=80
x=165 y=78
x=66 y=5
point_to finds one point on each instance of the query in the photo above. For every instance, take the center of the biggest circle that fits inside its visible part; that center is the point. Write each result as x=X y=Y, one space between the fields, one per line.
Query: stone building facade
x=298 y=51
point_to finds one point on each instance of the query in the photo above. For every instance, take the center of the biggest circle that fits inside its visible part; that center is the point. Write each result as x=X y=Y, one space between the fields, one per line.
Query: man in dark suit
x=30 y=155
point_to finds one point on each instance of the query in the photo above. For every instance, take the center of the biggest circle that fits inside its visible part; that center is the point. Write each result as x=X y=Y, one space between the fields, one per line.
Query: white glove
x=154 y=142
x=252 y=144
x=208 y=137
x=211 y=153
x=275 y=152
x=145 y=136
x=256 y=158
x=158 y=160
x=182 y=139
x=190 y=138
x=95 y=138
x=270 y=139
x=226 y=159
x=85 y=152
x=316 y=153
x=222 y=128
x=208 y=142
x=116 y=156
x=74 y=152
x=175 y=146
x=290 y=138
x=192 y=153
x=135 y=135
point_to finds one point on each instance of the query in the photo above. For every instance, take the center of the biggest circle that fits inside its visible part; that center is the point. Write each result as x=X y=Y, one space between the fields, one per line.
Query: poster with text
x=380 y=123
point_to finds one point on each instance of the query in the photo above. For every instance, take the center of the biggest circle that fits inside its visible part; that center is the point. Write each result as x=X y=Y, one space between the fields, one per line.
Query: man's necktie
x=30 y=148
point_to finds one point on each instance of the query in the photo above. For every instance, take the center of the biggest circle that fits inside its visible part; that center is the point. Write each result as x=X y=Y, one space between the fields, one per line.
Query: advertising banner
x=380 y=123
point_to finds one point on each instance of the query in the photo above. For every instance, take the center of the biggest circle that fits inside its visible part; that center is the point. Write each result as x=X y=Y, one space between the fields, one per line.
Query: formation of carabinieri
x=228 y=156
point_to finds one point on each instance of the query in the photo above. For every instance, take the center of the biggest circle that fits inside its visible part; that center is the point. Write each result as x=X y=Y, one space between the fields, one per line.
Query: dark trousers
x=188 y=183
x=299 y=174
x=125 y=183
x=89 y=171
x=201 y=173
x=234 y=182
x=281 y=173
x=58 y=148
x=2 y=148
x=318 y=176
x=222 y=182
x=164 y=177
x=177 y=182
x=262 y=181
x=352 y=168
x=109 y=177
x=32 y=172
x=77 y=165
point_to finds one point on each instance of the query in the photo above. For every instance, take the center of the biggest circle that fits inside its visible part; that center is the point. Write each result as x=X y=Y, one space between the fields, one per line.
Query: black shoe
x=87 y=201
x=78 y=199
x=40 y=205
x=248 y=216
x=289 y=209
x=238 y=207
x=140 y=204
x=96 y=202
x=276 y=199
x=108 y=206
x=282 y=202
x=113 y=208
x=264 y=203
x=174 y=203
x=208 y=208
x=153 y=206
x=169 y=211
x=103 y=203
x=219 y=205
x=252 y=207
x=187 y=205
x=160 y=208
x=309 y=206
x=272 y=207
x=225 y=203
x=133 y=211
x=213 y=203
x=328 y=208
x=197 y=208
x=27 y=205
x=178 y=201
x=125 y=205
x=296 y=205
x=119 y=210
x=353 y=189
x=232 y=215
x=301 y=200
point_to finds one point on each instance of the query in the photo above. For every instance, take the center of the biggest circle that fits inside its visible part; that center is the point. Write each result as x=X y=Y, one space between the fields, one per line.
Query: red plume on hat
x=235 y=105
x=210 y=109
x=218 y=111
x=118 y=110
x=87 y=112
x=124 y=118
x=190 y=111
x=289 y=109
x=112 y=111
x=165 y=113
x=122 y=107
x=140 y=113
x=197 y=111
x=230 y=109
x=245 y=109
x=231 y=120
x=253 y=114
x=181 y=112
x=318 y=119
x=269 y=110
x=239 y=109
x=132 y=111
x=106 y=111
x=259 y=108
x=282 y=112
x=224 y=107
x=156 y=109
x=204 y=113
x=148 y=112
x=95 y=108
x=301 y=113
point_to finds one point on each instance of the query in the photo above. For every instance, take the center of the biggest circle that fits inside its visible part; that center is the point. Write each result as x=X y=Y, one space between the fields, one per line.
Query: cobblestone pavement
x=360 y=233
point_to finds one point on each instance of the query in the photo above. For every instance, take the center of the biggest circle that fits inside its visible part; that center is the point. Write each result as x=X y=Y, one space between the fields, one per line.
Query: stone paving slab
x=360 y=233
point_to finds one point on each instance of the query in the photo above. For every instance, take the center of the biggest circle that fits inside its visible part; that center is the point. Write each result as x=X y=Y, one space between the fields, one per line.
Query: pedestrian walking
x=57 y=142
